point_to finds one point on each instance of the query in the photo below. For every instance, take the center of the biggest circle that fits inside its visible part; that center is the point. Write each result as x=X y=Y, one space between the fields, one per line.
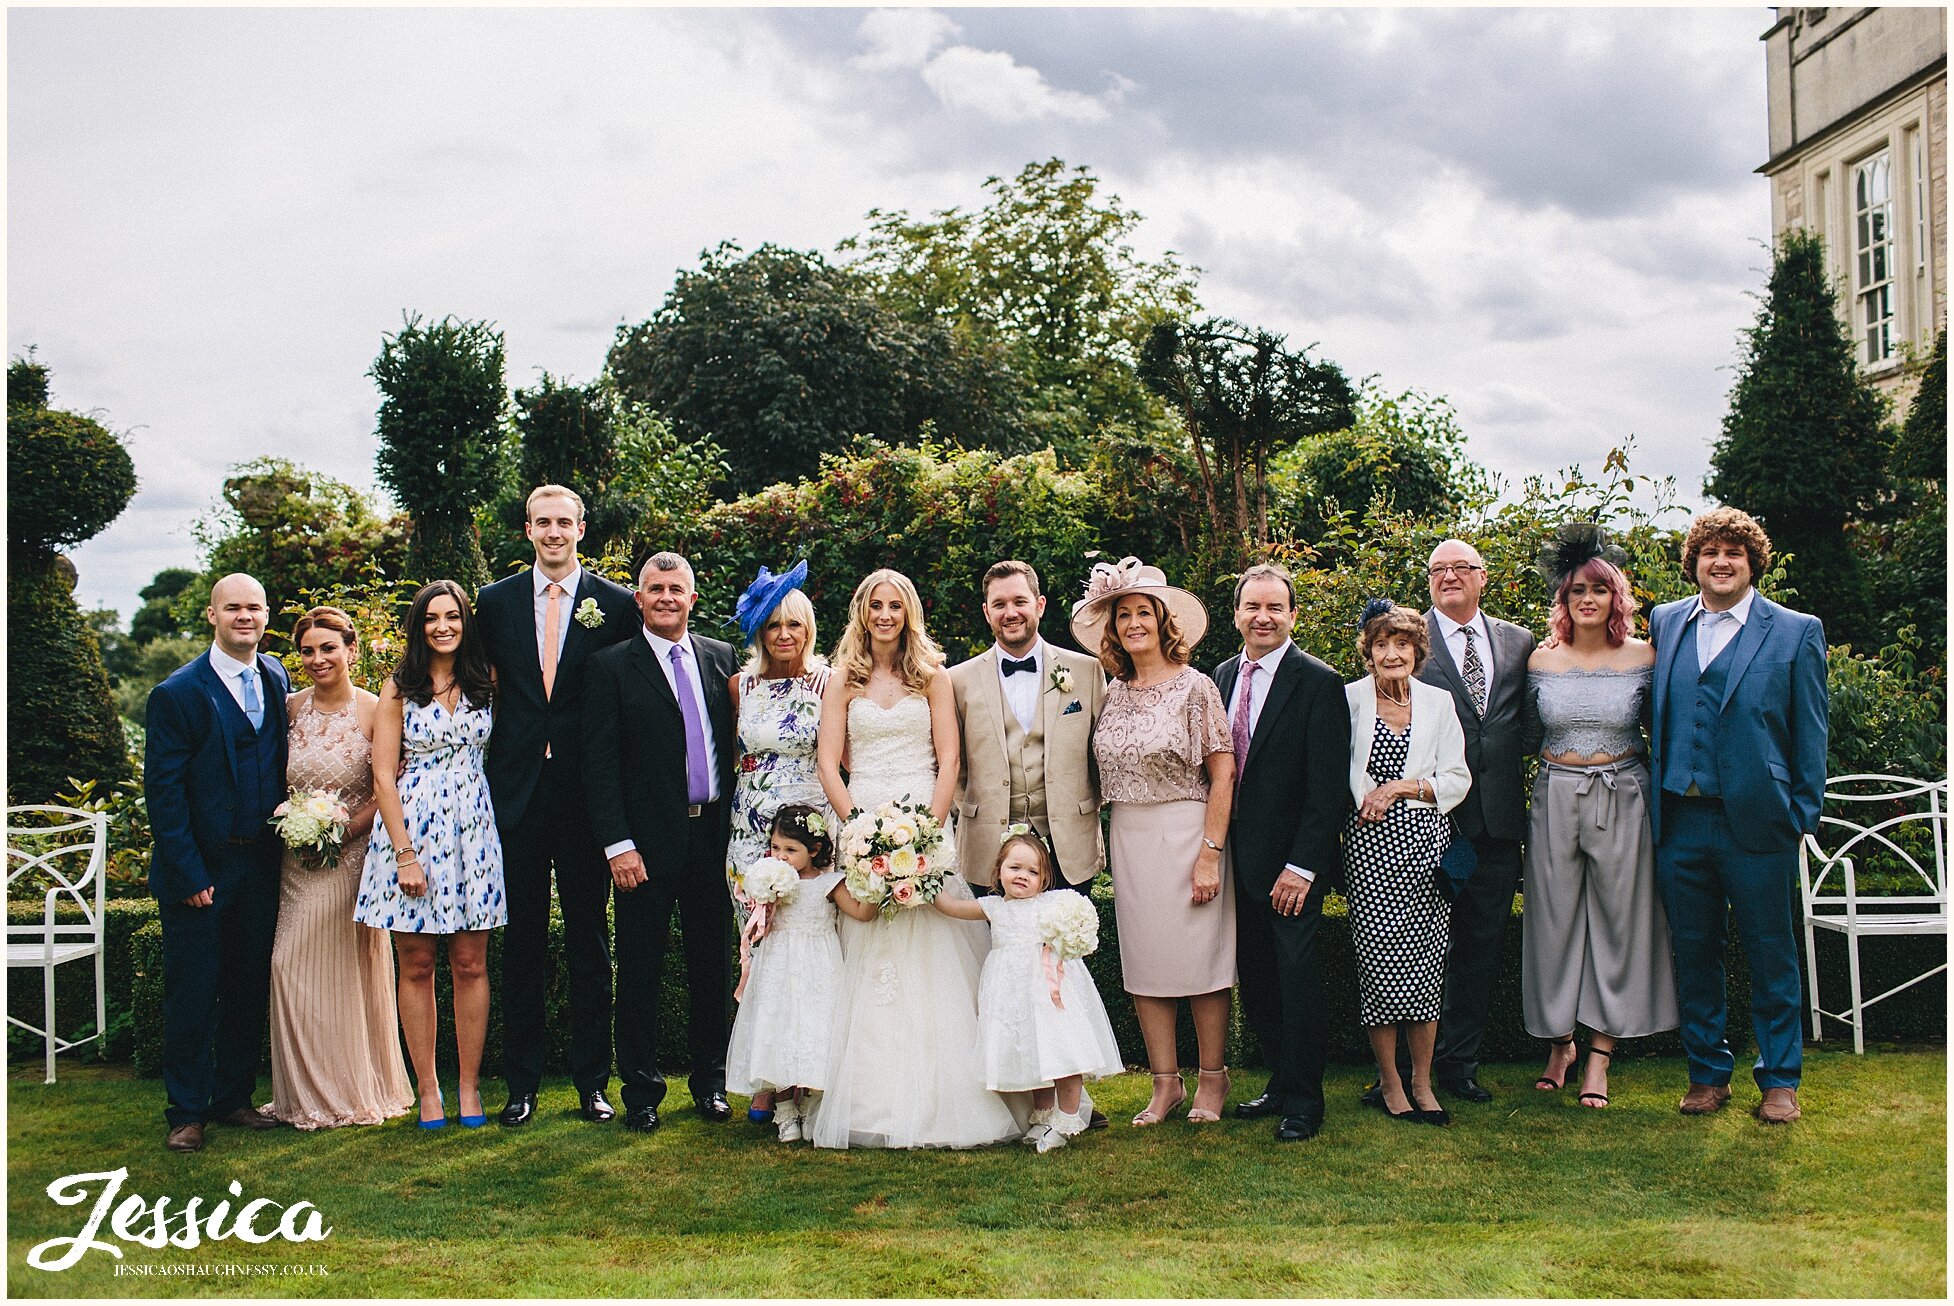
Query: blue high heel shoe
x=473 y=1122
x=442 y=1123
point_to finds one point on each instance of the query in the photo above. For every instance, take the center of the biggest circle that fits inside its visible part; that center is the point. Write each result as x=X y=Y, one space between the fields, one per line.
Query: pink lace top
x=1153 y=744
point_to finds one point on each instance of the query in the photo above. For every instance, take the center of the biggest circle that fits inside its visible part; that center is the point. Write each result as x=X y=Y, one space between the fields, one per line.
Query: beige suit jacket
x=1071 y=777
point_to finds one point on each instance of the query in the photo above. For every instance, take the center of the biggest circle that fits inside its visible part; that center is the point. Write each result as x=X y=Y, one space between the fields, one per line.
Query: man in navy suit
x=542 y=625
x=213 y=770
x=1738 y=751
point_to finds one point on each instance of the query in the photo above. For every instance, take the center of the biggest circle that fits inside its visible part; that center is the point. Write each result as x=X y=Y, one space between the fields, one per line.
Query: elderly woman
x=1407 y=770
x=1595 y=943
x=1167 y=765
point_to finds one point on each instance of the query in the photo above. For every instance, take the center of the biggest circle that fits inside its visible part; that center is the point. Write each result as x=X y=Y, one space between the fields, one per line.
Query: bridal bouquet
x=313 y=825
x=888 y=856
x=770 y=880
x=1068 y=924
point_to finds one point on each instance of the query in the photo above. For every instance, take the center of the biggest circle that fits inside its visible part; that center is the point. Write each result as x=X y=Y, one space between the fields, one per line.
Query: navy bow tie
x=1016 y=665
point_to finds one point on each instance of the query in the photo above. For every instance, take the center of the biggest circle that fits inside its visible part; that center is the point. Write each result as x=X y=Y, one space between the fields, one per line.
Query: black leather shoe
x=1258 y=1107
x=250 y=1117
x=641 y=1119
x=596 y=1109
x=1098 y=1119
x=520 y=1111
x=1295 y=1129
x=1438 y=1117
x=714 y=1106
x=1466 y=1090
x=1374 y=1097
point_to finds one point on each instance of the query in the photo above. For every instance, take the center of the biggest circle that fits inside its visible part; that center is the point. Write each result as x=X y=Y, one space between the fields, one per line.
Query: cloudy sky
x=1548 y=216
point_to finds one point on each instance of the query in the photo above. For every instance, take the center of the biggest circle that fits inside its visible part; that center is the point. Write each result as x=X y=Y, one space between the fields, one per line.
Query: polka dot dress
x=1398 y=920
x=444 y=797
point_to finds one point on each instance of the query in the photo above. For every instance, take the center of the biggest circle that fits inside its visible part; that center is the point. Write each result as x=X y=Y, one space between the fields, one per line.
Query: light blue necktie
x=253 y=708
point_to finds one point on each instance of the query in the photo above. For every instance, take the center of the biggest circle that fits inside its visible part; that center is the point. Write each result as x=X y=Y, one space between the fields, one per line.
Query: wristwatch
x=1210 y=843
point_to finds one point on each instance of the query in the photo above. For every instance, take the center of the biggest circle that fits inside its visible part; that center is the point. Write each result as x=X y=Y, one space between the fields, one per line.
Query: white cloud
x=994 y=84
x=902 y=38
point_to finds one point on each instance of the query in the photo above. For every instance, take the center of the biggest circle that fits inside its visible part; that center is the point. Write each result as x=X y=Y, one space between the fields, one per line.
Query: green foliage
x=1044 y=276
x=780 y=357
x=1902 y=540
x=1888 y=714
x=150 y=665
x=27 y=382
x=74 y=984
x=158 y=617
x=377 y=606
x=61 y=717
x=440 y=429
x=1802 y=449
x=1408 y=449
x=1920 y=452
x=129 y=836
x=68 y=476
x=117 y=649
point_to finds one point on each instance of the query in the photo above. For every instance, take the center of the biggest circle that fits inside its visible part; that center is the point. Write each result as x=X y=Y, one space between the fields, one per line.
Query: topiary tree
x=67 y=478
x=1802 y=448
x=1903 y=541
x=440 y=429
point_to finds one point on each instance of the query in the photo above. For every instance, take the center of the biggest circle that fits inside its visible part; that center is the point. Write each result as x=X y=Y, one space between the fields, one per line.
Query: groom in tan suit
x=1026 y=712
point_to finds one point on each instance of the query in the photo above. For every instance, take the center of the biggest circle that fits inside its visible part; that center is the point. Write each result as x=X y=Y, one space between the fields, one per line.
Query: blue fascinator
x=763 y=596
x=1373 y=609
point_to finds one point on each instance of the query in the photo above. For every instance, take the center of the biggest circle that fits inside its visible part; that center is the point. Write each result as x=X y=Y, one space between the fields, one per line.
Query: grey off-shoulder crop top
x=1588 y=713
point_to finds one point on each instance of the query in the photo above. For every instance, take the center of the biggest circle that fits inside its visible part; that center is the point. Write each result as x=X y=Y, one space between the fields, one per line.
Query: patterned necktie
x=1475 y=673
x=698 y=780
x=1239 y=727
x=550 y=614
x=253 y=707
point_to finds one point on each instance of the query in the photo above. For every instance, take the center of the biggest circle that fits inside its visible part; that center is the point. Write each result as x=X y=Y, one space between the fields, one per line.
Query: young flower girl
x=1042 y=1026
x=791 y=962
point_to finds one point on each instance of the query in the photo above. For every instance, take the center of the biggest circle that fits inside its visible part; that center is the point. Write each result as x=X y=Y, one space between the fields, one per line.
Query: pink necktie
x=549 y=637
x=1239 y=727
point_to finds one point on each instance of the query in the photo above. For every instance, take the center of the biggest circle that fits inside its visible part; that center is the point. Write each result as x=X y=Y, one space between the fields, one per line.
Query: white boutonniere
x=589 y=615
x=1061 y=679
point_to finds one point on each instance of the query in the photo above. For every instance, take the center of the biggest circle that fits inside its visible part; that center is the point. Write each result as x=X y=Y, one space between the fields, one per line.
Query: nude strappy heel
x=1201 y=1115
x=1148 y=1116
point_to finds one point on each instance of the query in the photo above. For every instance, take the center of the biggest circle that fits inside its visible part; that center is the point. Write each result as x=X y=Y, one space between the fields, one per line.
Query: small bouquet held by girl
x=889 y=856
x=312 y=823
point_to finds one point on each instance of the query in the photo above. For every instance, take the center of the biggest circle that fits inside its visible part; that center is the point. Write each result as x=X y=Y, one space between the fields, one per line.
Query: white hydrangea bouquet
x=313 y=824
x=1068 y=924
x=888 y=856
x=770 y=880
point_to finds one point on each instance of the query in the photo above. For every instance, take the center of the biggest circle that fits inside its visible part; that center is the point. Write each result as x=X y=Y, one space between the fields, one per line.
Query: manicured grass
x=1529 y=1196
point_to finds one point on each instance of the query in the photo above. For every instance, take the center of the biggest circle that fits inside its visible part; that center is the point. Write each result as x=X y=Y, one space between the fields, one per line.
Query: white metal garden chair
x=1897 y=826
x=68 y=858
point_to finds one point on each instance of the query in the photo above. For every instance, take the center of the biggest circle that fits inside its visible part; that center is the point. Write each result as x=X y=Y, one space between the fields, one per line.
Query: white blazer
x=1438 y=746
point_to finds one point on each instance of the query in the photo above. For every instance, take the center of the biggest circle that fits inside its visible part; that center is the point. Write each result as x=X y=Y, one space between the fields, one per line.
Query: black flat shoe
x=1410 y=1113
x=520 y=1111
x=595 y=1109
x=1297 y=1129
x=1373 y=1097
x=714 y=1107
x=641 y=1119
x=1438 y=1117
x=1467 y=1089
x=1256 y=1108
x=1097 y=1120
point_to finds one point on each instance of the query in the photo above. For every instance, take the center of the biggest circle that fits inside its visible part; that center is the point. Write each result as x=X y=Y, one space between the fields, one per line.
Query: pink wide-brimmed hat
x=1113 y=581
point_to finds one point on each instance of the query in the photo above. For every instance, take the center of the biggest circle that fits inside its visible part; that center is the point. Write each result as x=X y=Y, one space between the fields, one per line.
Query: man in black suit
x=542 y=625
x=1291 y=730
x=658 y=754
x=1483 y=662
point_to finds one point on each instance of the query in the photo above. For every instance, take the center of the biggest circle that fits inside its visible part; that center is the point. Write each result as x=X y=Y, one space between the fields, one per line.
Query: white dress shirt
x=232 y=673
x=1265 y=674
x=1021 y=690
x=564 y=606
x=1712 y=636
x=662 y=649
x=1482 y=639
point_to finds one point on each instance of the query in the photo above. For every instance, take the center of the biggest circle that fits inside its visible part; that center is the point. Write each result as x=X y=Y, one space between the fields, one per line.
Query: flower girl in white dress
x=791 y=959
x=1041 y=1024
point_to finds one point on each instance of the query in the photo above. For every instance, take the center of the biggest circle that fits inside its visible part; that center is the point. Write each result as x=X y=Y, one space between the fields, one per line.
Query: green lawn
x=1528 y=1197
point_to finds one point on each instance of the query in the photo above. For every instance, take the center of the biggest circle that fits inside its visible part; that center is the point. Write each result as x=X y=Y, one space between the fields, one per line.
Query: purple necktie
x=1239 y=727
x=698 y=780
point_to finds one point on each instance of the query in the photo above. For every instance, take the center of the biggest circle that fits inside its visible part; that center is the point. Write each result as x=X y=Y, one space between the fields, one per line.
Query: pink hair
x=1621 y=601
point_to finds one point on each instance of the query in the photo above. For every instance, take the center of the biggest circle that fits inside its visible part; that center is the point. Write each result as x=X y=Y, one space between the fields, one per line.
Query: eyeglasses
x=1455 y=568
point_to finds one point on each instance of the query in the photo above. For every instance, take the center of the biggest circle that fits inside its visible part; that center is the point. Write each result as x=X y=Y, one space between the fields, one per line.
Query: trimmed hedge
x=74 y=982
x=1919 y=1013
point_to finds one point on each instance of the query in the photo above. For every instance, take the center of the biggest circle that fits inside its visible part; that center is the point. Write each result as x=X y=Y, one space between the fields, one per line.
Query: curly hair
x=1396 y=620
x=919 y=658
x=793 y=821
x=1727 y=526
x=1047 y=877
x=1173 y=640
x=1621 y=601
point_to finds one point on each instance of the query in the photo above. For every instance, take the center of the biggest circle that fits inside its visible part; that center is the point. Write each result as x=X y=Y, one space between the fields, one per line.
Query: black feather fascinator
x=1373 y=609
x=1573 y=545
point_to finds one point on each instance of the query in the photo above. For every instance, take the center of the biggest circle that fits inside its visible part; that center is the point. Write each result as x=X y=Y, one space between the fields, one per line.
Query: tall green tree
x=68 y=477
x=440 y=429
x=1044 y=272
x=780 y=357
x=1903 y=540
x=1802 y=448
x=158 y=617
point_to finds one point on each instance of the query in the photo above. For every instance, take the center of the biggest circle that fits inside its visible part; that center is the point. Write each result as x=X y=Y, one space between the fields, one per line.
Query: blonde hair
x=551 y=492
x=793 y=604
x=918 y=658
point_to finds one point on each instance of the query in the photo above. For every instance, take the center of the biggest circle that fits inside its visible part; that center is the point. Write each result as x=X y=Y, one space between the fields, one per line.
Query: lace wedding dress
x=906 y=1068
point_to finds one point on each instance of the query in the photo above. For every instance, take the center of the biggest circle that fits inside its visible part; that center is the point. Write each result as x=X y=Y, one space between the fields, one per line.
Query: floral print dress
x=775 y=751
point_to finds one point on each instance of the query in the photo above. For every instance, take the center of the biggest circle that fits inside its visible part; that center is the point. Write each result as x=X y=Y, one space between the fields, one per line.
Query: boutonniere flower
x=1061 y=679
x=589 y=615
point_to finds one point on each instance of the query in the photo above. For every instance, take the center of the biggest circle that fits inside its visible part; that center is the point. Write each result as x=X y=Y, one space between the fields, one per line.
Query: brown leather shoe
x=250 y=1117
x=1779 y=1107
x=185 y=1138
x=1702 y=1099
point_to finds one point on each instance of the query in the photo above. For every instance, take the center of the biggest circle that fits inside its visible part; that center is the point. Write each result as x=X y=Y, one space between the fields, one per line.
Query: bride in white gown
x=905 y=1069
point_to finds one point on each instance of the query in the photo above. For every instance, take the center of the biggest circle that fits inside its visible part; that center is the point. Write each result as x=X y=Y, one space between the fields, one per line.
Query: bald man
x=213 y=770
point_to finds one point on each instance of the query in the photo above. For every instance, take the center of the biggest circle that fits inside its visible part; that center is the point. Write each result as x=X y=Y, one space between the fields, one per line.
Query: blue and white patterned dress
x=444 y=797
x=776 y=730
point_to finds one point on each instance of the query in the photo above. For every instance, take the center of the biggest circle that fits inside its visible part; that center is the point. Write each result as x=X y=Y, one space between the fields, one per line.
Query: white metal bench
x=65 y=852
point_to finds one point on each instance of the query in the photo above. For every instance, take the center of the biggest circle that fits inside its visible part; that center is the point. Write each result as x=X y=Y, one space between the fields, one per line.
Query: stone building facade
x=1858 y=139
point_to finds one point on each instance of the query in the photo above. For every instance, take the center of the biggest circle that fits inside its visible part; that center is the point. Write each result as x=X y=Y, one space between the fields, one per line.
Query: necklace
x=1401 y=702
